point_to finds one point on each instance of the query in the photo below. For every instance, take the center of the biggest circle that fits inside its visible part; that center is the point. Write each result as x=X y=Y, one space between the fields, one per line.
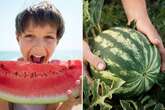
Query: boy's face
x=37 y=43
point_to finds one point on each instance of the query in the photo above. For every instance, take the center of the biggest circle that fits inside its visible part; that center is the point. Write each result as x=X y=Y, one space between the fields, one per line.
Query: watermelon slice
x=31 y=83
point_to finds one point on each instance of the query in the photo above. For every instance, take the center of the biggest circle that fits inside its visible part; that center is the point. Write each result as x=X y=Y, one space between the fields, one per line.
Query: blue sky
x=70 y=9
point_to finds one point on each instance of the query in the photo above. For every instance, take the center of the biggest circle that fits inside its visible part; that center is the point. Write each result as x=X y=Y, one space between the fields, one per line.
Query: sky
x=70 y=9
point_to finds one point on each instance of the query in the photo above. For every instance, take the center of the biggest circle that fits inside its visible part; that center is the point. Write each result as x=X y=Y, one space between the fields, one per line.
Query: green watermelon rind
x=101 y=47
x=42 y=100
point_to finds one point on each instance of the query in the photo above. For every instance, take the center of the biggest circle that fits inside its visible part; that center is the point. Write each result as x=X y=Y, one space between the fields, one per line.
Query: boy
x=38 y=31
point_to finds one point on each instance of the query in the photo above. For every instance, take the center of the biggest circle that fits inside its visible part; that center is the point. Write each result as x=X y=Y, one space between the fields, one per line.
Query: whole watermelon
x=129 y=55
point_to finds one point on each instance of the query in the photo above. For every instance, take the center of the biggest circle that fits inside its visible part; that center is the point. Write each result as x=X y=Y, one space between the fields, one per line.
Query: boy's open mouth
x=37 y=59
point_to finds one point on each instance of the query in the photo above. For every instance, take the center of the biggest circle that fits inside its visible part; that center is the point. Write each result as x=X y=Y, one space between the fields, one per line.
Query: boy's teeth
x=37 y=59
x=37 y=56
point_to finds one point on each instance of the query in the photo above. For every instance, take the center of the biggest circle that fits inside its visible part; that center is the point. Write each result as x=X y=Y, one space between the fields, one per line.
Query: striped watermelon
x=130 y=56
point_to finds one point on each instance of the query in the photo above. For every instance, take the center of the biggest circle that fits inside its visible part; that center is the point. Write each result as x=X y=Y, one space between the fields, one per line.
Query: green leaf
x=86 y=91
x=95 y=12
x=159 y=107
x=86 y=17
x=126 y=105
x=100 y=92
x=161 y=80
x=145 y=99
x=86 y=14
x=150 y=104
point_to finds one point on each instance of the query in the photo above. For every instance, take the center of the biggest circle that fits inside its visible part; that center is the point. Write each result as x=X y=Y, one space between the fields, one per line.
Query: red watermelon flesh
x=32 y=83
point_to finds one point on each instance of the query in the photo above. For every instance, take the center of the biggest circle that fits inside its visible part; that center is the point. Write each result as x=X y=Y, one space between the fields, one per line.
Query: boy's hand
x=94 y=60
x=4 y=105
x=149 y=30
x=71 y=102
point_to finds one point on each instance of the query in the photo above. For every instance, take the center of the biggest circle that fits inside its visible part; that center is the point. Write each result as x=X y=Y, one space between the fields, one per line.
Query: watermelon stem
x=93 y=32
x=98 y=27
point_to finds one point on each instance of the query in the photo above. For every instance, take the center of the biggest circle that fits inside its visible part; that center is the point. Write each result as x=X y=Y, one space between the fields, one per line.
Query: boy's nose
x=38 y=51
x=39 y=42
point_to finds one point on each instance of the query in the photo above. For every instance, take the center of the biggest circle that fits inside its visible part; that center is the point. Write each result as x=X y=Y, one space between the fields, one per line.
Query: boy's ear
x=17 y=36
x=57 y=41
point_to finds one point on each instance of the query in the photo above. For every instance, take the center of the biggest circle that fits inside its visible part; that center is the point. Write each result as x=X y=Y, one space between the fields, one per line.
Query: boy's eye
x=49 y=37
x=28 y=36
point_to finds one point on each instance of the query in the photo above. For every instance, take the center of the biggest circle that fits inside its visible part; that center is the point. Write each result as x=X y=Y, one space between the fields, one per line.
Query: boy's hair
x=40 y=14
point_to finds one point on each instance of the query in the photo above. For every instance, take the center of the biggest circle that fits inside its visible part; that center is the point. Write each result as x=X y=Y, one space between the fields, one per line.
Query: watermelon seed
x=42 y=75
x=25 y=75
x=3 y=67
x=45 y=74
x=16 y=73
x=33 y=75
x=58 y=73
x=21 y=74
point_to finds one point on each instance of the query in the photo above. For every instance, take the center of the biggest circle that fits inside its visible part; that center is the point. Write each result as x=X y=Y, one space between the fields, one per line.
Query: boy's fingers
x=78 y=82
x=94 y=60
x=20 y=59
x=69 y=92
x=73 y=99
x=4 y=105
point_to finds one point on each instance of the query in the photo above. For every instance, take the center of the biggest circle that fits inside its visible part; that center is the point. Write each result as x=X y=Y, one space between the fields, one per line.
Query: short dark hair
x=40 y=14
